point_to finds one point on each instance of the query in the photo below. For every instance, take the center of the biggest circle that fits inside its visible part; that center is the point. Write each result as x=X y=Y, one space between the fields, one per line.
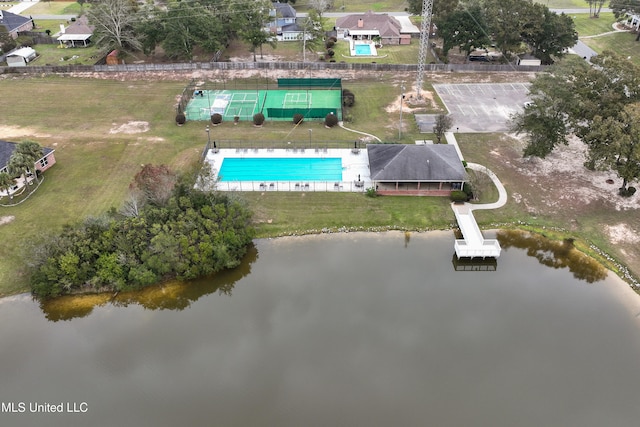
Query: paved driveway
x=482 y=107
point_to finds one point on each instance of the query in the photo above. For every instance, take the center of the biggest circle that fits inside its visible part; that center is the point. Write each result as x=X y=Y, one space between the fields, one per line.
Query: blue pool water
x=281 y=169
x=362 y=49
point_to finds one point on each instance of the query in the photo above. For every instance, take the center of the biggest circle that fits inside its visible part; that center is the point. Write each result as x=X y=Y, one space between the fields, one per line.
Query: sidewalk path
x=341 y=124
x=22 y=6
x=502 y=192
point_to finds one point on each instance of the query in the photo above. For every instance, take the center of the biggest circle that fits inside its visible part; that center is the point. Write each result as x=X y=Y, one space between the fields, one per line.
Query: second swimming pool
x=281 y=169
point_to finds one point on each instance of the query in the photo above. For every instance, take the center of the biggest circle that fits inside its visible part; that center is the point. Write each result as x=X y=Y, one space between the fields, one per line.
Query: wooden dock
x=473 y=244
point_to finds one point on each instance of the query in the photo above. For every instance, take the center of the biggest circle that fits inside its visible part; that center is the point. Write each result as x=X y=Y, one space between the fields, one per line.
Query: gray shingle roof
x=404 y=162
x=284 y=10
x=7 y=148
x=11 y=21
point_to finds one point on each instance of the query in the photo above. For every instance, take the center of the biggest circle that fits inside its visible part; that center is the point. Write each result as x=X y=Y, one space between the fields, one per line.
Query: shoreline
x=622 y=290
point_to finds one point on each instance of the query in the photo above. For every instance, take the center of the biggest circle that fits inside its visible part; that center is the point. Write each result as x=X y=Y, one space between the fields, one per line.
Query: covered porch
x=419 y=188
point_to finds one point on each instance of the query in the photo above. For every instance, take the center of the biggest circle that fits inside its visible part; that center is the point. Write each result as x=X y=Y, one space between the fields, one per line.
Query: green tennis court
x=274 y=104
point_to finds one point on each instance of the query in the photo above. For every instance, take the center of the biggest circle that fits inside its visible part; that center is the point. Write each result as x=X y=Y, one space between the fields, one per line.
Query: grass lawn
x=54 y=8
x=564 y=4
x=624 y=44
x=95 y=163
x=357 y=6
x=52 y=54
x=53 y=25
x=586 y=26
x=95 y=166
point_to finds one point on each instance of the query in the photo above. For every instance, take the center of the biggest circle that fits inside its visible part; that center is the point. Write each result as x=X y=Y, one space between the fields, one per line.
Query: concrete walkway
x=502 y=192
x=21 y=7
x=341 y=124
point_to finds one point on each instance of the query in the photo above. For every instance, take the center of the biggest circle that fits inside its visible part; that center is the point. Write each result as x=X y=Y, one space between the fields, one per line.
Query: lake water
x=349 y=330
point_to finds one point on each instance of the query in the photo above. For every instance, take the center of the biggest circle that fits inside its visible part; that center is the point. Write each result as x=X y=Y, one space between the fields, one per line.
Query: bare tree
x=133 y=205
x=115 y=22
x=321 y=6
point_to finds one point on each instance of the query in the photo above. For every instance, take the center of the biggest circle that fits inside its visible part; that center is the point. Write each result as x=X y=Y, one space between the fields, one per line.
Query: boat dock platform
x=473 y=244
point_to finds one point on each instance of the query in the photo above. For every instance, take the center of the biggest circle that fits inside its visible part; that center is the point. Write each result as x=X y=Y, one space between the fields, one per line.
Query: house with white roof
x=78 y=34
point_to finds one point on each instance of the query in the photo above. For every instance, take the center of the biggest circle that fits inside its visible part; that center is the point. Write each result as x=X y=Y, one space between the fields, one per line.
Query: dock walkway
x=473 y=244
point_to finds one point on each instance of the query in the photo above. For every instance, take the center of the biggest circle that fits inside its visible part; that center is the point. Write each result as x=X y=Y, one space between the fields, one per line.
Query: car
x=479 y=58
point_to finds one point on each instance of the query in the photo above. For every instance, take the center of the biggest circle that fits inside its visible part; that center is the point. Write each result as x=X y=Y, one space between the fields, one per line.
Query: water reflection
x=474 y=264
x=554 y=253
x=167 y=296
x=351 y=329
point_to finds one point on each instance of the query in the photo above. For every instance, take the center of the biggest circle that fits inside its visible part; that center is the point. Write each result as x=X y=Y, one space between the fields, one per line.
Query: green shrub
x=348 y=98
x=331 y=120
x=297 y=118
x=628 y=192
x=258 y=119
x=329 y=44
x=333 y=39
x=458 y=196
x=330 y=53
x=371 y=192
x=181 y=118
x=216 y=118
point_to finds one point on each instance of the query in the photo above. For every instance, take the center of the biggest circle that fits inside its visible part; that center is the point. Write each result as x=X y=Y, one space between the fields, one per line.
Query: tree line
x=167 y=229
x=598 y=103
x=182 y=28
x=511 y=26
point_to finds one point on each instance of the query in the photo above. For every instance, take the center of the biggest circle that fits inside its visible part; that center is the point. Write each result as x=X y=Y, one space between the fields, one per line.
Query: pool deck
x=372 y=48
x=355 y=164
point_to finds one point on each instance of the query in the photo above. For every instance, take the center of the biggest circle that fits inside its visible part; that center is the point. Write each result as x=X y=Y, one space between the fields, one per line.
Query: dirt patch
x=572 y=183
x=130 y=127
x=6 y=219
x=559 y=188
x=411 y=102
x=9 y=132
x=622 y=233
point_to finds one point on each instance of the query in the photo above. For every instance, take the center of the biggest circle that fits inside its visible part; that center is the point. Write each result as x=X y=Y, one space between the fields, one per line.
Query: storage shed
x=112 y=58
x=21 y=57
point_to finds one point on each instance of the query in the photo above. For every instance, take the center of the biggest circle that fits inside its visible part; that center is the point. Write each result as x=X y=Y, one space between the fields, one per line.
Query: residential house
x=284 y=23
x=6 y=150
x=78 y=34
x=370 y=26
x=408 y=169
x=15 y=23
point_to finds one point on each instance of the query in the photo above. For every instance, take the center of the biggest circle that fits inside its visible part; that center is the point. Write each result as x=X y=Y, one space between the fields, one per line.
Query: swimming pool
x=362 y=49
x=281 y=169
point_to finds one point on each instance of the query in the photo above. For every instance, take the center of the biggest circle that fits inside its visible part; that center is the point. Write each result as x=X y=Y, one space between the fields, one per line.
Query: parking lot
x=482 y=107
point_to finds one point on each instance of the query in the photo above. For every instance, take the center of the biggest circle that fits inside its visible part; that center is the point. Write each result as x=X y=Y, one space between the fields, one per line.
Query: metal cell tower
x=425 y=29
